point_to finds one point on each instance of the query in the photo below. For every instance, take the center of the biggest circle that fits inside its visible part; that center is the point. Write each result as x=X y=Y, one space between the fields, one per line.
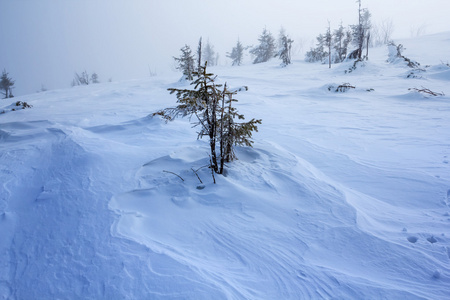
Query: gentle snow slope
x=344 y=195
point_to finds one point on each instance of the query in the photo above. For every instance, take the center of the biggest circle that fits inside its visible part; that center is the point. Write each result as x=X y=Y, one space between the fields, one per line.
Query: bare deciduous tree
x=386 y=30
x=418 y=29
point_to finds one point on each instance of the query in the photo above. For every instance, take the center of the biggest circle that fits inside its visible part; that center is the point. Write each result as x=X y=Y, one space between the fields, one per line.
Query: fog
x=43 y=43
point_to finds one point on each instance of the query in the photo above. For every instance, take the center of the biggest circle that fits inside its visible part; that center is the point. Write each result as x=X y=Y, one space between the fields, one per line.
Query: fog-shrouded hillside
x=344 y=195
x=44 y=43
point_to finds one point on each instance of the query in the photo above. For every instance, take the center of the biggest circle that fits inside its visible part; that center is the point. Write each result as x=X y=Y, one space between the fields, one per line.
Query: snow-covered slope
x=344 y=195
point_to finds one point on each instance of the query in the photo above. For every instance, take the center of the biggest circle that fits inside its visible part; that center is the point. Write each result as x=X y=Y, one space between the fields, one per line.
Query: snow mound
x=439 y=72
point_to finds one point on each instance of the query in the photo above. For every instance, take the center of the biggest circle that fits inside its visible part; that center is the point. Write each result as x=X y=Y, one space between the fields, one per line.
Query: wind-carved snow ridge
x=227 y=234
x=42 y=180
x=234 y=238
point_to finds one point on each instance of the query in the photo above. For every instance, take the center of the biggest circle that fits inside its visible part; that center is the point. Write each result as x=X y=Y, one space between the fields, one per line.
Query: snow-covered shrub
x=23 y=104
x=415 y=73
x=426 y=92
x=395 y=54
x=359 y=62
x=17 y=106
x=344 y=87
x=341 y=88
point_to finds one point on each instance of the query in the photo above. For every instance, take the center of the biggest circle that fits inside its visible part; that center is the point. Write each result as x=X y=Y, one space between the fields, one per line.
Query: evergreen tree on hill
x=199 y=55
x=185 y=63
x=94 y=78
x=285 y=46
x=209 y=54
x=341 y=40
x=6 y=84
x=237 y=54
x=361 y=33
x=266 y=48
x=319 y=53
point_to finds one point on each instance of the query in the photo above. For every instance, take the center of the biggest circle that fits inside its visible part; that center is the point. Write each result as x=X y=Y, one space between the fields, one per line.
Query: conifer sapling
x=212 y=105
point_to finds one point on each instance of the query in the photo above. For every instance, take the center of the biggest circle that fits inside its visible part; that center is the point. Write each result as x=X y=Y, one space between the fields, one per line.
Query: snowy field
x=345 y=195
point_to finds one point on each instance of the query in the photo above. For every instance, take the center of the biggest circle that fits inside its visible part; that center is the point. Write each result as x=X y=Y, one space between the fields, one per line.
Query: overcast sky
x=43 y=42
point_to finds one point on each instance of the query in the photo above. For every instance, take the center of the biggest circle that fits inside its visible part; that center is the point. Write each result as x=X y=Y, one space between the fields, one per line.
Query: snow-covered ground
x=345 y=195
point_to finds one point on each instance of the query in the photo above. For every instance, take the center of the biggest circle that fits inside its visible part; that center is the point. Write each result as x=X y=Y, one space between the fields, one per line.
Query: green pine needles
x=218 y=119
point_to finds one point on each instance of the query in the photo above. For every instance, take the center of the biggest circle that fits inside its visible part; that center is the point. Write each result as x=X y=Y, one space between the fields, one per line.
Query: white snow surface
x=343 y=196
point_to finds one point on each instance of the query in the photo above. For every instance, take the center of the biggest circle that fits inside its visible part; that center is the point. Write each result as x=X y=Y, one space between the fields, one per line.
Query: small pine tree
x=6 y=84
x=346 y=43
x=341 y=40
x=82 y=79
x=94 y=78
x=367 y=26
x=237 y=54
x=215 y=115
x=361 y=33
x=199 y=55
x=318 y=53
x=285 y=46
x=209 y=55
x=186 y=62
x=266 y=48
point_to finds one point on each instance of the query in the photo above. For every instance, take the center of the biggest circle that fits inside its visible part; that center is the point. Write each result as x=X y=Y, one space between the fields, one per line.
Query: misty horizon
x=47 y=42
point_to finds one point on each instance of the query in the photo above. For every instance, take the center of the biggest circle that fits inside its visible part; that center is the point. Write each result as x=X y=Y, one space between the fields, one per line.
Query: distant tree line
x=268 y=48
x=85 y=79
x=7 y=83
x=333 y=46
x=352 y=42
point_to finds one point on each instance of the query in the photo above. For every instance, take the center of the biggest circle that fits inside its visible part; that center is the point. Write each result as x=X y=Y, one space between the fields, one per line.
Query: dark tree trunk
x=367 y=51
x=212 y=132
x=222 y=137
